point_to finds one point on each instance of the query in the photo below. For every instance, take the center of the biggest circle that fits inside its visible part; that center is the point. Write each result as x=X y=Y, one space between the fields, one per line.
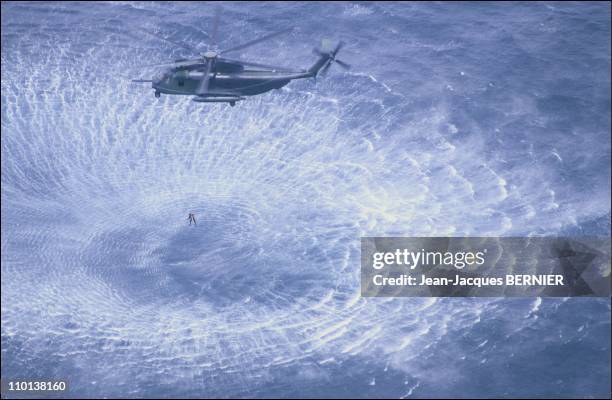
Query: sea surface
x=456 y=119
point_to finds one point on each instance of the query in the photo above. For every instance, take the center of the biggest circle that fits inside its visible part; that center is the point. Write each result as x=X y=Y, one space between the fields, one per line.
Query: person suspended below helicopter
x=192 y=218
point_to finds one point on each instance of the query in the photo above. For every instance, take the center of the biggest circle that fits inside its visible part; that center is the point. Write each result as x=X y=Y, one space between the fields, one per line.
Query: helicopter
x=213 y=78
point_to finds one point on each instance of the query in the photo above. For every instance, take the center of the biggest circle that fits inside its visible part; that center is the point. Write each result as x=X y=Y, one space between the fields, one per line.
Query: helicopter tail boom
x=320 y=63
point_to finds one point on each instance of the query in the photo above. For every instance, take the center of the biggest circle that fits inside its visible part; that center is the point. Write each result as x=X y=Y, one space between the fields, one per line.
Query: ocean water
x=488 y=119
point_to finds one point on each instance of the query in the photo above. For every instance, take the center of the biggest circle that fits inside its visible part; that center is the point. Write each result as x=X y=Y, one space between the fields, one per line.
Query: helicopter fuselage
x=213 y=78
x=217 y=80
x=223 y=84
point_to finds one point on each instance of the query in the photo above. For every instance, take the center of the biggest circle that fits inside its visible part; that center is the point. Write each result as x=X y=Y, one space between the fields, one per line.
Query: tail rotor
x=331 y=56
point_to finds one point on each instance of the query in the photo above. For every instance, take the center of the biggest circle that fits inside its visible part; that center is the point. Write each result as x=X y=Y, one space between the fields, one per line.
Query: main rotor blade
x=253 y=42
x=203 y=86
x=185 y=46
x=253 y=64
x=215 y=27
x=175 y=64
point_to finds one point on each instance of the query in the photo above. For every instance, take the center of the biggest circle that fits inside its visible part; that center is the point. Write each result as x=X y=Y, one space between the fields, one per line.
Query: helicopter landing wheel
x=232 y=103
x=157 y=94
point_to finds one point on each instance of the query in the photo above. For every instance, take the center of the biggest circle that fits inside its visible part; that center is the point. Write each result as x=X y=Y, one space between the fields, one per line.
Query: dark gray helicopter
x=211 y=78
